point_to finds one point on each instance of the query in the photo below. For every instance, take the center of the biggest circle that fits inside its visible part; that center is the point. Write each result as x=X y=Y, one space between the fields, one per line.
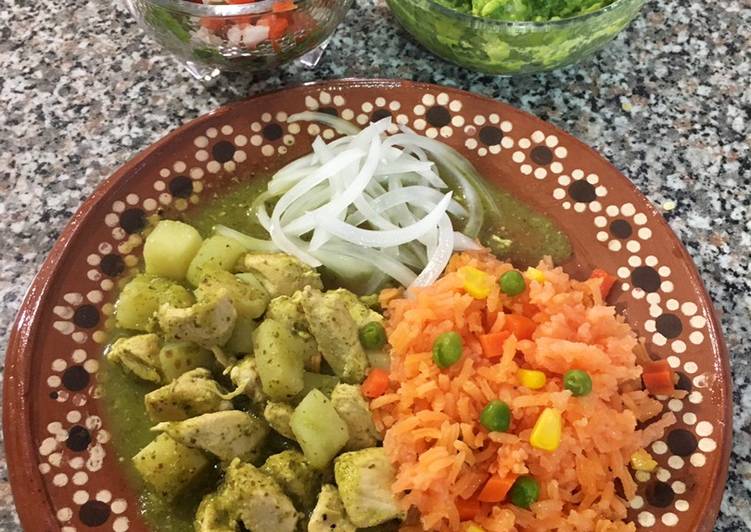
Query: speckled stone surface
x=668 y=102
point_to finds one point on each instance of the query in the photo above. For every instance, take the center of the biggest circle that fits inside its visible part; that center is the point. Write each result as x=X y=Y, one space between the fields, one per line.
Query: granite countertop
x=668 y=102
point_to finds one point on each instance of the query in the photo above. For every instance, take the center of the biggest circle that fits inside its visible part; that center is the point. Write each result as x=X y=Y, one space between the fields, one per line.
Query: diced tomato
x=607 y=281
x=659 y=377
x=212 y=23
x=375 y=384
x=492 y=344
x=277 y=25
x=496 y=488
x=520 y=326
x=283 y=5
x=468 y=508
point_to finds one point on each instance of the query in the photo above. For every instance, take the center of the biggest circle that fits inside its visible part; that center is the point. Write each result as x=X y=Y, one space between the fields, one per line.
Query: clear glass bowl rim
x=224 y=10
x=524 y=24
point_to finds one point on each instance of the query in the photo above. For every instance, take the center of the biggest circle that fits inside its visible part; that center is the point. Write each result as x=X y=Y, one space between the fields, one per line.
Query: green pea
x=525 y=491
x=372 y=335
x=578 y=382
x=447 y=349
x=512 y=283
x=496 y=416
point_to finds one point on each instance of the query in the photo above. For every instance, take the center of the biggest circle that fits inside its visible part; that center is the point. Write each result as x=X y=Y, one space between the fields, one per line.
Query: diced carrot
x=283 y=5
x=468 y=508
x=212 y=23
x=607 y=281
x=496 y=488
x=277 y=25
x=375 y=384
x=529 y=309
x=520 y=326
x=658 y=378
x=492 y=344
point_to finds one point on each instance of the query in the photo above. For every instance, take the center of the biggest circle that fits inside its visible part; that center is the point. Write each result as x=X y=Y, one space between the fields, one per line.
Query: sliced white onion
x=250 y=243
x=369 y=205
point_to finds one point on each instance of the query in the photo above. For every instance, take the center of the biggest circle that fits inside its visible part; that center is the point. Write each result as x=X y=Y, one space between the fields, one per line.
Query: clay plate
x=63 y=468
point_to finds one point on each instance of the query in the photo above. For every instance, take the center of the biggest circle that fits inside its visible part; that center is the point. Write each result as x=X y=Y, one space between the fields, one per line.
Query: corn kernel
x=533 y=274
x=476 y=282
x=546 y=434
x=531 y=378
x=472 y=527
x=641 y=460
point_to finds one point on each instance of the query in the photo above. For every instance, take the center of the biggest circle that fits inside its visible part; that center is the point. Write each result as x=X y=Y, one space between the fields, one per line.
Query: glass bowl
x=240 y=37
x=511 y=47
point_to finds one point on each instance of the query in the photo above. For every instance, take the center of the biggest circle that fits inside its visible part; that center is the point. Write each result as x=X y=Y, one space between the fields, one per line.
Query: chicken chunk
x=364 y=479
x=138 y=355
x=359 y=311
x=228 y=434
x=329 y=514
x=244 y=375
x=191 y=394
x=299 y=480
x=246 y=291
x=278 y=416
x=336 y=334
x=250 y=497
x=208 y=323
x=280 y=274
x=353 y=409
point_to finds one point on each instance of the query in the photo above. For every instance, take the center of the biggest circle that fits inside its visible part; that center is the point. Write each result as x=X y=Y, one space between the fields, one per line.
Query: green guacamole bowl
x=511 y=47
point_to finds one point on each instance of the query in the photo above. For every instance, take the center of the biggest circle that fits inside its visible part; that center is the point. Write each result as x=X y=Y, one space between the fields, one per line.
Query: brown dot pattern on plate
x=582 y=191
x=646 y=278
x=272 y=131
x=112 y=265
x=78 y=439
x=659 y=494
x=681 y=442
x=94 y=513
x=223 y=151
x=133 y=220
x=669 y=325
x=75 y=378
x=490 y=135
x=620 y=229
x=438 y=116
x=182 y=186
x=86 y=316
x=543 y=156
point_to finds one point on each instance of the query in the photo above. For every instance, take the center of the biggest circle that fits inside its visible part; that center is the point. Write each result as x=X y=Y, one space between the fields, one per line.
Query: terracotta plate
x=63 y=466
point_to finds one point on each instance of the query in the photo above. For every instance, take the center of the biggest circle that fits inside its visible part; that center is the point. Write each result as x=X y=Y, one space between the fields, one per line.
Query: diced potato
x=216 y=252
x=227 y=435
x=139 y=355
x=248 y=296
x=299 y=480
x=318 y=429
x=288 y=310
x=279 y=361
x=241 y=341
x=364 y=479
x=170 y=467
x=142 y=296
x=170 y=248
x=176 y=358
x=191 y=394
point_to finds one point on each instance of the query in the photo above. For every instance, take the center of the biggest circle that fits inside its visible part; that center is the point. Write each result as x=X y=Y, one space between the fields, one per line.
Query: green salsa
x=515 y=233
